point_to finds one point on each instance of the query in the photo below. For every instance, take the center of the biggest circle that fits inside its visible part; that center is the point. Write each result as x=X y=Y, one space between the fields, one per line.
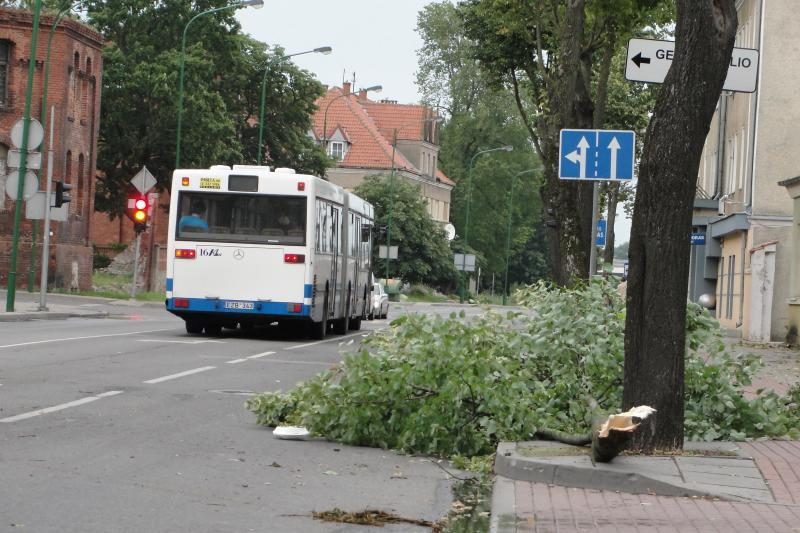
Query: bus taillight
x=301 y=185
x=185 y=254
x=181 y=302
x=294 y=258
x=294 y=308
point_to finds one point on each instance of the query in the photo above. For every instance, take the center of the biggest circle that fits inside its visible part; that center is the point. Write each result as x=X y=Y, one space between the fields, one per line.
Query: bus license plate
x=239 y=305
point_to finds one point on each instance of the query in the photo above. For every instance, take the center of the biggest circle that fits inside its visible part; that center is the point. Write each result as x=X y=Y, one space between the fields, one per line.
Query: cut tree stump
x=613 y=435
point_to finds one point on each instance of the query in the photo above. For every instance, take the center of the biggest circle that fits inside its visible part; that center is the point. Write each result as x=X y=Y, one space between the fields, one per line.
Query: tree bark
x=655 y=324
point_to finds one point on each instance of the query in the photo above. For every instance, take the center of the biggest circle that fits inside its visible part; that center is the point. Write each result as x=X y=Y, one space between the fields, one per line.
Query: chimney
x=346 y=87
x=362 y=95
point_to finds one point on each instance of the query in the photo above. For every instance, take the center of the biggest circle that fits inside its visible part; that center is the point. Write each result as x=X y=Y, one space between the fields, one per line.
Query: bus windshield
x=241 y=218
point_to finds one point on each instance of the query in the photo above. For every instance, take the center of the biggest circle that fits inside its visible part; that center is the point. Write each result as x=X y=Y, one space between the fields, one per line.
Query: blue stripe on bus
x=203 y=305
x=169 y=284
x=308 y=290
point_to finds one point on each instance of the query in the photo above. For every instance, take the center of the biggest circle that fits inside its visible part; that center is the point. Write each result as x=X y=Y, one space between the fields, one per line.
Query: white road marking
x=181 y=342
x=324 y=341
x=83 y=338
x=289 y=362
x=179 y=375
x=259 y=355
x=61 y=407
x=244 y=359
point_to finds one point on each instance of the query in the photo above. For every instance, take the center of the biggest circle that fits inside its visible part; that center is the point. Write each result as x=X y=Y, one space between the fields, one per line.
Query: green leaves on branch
x=457 y=386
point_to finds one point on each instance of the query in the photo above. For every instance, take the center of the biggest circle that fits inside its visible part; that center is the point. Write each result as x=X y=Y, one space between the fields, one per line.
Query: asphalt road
x=128 y=424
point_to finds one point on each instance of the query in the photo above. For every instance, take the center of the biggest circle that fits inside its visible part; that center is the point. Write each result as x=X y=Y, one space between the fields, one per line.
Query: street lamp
x=506 y=148
x=372 y=89
x=245 y=3
x=508 y=233
x=321 y=50
x=434 y=120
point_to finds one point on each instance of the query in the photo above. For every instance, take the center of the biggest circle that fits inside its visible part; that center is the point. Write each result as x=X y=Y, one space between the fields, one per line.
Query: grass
x=116 y=287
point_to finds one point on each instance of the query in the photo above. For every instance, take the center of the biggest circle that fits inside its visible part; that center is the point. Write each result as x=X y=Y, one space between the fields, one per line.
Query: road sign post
x=649 y=61
x=597 y=155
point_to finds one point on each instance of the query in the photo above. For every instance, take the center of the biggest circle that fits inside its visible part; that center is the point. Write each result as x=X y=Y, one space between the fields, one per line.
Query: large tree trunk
x=659 y=247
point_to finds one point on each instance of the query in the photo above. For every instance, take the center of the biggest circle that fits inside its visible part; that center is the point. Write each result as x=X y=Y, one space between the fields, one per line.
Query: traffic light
x=140 y=208
x=62 y=194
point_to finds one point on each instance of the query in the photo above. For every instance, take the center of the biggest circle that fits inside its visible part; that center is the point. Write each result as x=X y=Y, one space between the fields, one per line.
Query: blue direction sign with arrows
x=596 y=155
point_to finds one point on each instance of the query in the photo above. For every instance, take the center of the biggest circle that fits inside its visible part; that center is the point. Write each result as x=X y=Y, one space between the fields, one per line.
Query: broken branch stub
x=612 y=436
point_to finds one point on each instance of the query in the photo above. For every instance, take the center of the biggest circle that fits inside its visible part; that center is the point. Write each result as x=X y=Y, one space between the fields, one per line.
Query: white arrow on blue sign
x=601 y=233
x=597 y=155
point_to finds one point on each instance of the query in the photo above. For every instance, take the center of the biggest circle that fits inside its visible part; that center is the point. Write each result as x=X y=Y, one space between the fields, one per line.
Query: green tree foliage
x=452 y=386
x=423 y=252
x=481 y=116
x=222 y=86
x=557 y=58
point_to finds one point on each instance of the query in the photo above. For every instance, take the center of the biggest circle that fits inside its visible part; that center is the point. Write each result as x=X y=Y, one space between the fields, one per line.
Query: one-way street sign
x=596 y=155
x=649 y=61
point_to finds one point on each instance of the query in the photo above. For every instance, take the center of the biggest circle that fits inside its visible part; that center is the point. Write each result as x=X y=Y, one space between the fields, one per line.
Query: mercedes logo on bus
x=238 y=254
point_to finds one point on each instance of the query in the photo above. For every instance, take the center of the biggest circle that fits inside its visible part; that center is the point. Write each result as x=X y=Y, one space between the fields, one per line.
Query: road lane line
x=259 y=355
x=181 y=342
x=83 y=338
x=61 y=407
x=334 y=339
x=236 y=361
x=290 y=362
x=179 y=375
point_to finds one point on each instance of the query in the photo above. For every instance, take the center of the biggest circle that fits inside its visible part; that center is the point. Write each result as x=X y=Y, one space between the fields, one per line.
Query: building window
x=5 y=48
x=81 y=184
x=336 y=150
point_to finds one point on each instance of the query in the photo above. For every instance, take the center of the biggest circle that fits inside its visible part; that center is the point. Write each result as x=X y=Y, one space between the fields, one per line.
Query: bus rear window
x=241 y=218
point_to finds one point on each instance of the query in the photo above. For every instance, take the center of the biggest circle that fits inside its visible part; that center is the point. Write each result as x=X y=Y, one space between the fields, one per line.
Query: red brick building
x=74 y=89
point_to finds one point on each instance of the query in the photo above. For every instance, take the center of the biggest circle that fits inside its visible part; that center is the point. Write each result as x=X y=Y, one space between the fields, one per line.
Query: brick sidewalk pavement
x=548 y=508
x=779 y=462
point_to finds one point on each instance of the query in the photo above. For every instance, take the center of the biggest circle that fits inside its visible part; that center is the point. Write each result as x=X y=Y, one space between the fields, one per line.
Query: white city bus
x=248 y=246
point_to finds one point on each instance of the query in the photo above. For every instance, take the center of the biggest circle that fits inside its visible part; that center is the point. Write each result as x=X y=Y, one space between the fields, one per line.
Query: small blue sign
x=699 y=239
x=597 y=155
x=601 y=233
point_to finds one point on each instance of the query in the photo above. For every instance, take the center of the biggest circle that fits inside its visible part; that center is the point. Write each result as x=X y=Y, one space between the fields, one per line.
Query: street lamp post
x=372 y=89
x=321 y=50
x=506 y=148
x=508 y=232
x=23 y=162
x=434 y=120
x=244 y=3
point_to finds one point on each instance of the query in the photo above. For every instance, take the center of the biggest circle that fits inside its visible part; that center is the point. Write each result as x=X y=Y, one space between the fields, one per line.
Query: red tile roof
x=369 y=127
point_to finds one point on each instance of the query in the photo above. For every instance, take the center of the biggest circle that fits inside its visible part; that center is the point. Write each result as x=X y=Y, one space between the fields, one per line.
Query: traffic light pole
x=135 y=265
x=46 y=230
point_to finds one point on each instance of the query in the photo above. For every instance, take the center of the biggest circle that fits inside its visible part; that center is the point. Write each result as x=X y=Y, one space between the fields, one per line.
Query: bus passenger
x=195 y=221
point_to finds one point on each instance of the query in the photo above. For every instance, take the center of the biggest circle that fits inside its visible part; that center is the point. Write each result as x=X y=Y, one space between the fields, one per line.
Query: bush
x=450 y=386
x=100 y=260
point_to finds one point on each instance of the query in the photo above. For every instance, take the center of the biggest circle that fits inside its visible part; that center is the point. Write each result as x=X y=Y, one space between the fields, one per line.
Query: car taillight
x=294 y=308
x=181 y=302
x=183 y=253
x=294 y=258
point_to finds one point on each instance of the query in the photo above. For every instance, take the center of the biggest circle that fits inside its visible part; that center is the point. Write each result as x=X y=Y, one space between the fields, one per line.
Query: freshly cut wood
x=613 y=435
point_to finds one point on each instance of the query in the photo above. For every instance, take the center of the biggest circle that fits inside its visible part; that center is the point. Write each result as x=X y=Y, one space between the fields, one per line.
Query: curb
x=636 y=475
x=47 y=315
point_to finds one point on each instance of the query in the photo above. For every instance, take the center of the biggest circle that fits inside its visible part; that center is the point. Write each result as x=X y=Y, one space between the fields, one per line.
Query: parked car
x=380 y=302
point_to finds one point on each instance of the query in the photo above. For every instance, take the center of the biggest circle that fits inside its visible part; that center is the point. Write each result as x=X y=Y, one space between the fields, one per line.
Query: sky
x=374 y=40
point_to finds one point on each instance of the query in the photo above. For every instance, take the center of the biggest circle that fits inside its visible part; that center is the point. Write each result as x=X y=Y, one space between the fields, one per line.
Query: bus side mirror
x=365 y=233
